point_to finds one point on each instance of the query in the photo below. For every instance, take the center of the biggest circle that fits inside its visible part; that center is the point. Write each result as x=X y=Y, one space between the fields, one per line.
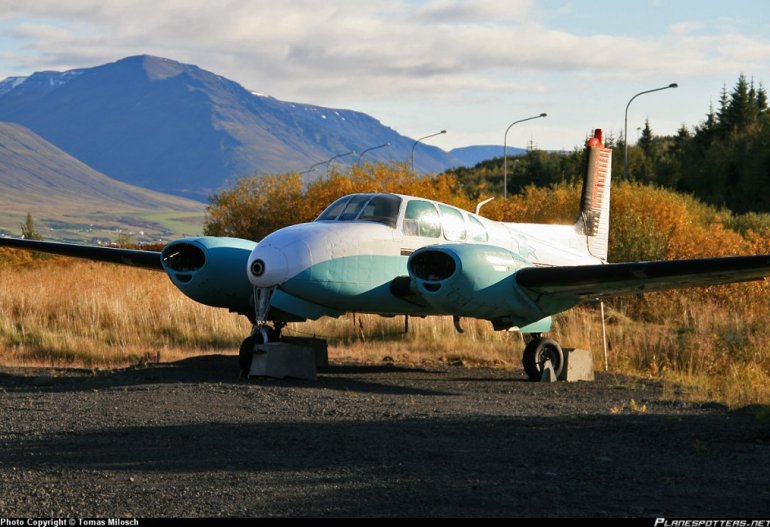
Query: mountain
x=472 y=155
x=39 y=178
x=177 y=128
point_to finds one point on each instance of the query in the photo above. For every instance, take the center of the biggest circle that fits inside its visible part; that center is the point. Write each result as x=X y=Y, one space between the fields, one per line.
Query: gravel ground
x=189 y=439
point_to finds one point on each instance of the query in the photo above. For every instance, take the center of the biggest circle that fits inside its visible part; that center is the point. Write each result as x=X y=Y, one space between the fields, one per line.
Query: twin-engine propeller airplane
x=392 y=254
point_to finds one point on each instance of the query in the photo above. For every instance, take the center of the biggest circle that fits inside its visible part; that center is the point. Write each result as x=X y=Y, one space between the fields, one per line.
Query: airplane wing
x=593 y=281
x=135 y=258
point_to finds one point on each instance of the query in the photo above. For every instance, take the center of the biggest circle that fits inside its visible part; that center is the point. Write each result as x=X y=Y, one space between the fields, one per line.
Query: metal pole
x=505 y=151
x=329 y=162
x=604 y=337
x=420 y=139
x=625 y=125
x=358 y=161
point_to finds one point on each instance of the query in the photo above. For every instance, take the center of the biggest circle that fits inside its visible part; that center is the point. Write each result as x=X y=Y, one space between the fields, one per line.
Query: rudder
x=594 y=219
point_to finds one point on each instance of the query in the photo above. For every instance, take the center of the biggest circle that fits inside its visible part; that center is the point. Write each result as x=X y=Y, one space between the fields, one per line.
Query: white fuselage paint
x=293 y=250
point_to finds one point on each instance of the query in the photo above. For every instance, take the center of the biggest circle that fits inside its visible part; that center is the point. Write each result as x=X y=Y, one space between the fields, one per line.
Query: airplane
x=392 y=254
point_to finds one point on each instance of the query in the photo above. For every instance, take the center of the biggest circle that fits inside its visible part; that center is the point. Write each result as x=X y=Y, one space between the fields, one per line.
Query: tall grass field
x=61 y=312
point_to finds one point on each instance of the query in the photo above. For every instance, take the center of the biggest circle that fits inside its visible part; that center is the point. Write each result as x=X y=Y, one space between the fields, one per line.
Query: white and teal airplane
x=392 y=254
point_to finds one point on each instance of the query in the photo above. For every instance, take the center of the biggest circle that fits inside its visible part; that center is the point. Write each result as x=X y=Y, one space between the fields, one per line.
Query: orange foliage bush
x=258 y=205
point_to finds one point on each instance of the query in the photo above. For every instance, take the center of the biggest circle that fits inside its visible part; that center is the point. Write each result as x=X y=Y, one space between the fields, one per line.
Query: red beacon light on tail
x=596 y=140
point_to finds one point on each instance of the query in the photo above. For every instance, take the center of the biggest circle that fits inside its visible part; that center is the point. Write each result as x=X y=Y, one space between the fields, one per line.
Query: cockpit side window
x=382 y=209
x=421 y=219
x=476 y=230
x=453 y=223
x=353 y=207
x=333 y=210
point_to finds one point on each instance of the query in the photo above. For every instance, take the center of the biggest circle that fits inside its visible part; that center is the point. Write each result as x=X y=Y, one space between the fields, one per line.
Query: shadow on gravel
x=195 y=370
x=640 y=465
x=367 y=368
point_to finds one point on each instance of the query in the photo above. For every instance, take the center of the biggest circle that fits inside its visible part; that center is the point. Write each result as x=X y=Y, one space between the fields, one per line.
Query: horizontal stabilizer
x=593 y=281
x=135 y=258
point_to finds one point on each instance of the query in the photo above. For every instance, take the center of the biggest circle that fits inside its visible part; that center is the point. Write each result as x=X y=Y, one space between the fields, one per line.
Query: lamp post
x=312 y=167
x=625 y=125
x=505 y=151
x=358 y=161
x=329 y=162
x=420 y=139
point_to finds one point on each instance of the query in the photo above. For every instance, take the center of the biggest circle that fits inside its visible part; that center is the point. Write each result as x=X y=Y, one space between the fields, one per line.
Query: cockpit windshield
x=379 y=208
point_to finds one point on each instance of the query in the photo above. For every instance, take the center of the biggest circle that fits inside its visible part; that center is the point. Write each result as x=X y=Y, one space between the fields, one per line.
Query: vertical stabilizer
x=594 y=220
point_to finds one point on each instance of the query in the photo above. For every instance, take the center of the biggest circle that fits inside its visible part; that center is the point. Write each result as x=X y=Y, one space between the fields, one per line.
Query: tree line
x=724 y=160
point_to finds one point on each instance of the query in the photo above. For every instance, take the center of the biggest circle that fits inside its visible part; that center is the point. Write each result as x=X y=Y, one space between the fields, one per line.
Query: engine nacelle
x=211 y=270
x=473 y=280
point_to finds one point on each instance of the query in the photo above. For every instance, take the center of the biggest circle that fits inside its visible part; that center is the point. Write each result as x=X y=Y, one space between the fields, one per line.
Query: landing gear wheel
x=246 y=352
x=259 y=336
x=537 y=352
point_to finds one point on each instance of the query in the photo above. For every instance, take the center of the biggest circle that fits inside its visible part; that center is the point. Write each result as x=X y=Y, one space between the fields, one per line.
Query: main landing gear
x=538 y=352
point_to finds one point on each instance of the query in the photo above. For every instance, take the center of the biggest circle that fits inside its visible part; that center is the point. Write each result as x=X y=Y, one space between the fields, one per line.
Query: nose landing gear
x=261 y=332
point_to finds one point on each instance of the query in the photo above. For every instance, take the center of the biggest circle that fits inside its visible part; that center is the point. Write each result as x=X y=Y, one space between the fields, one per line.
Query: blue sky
x=421 y=66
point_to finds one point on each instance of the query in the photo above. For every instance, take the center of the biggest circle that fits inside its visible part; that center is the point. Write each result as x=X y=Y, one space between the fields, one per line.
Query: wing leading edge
x=593 y=281
x=135 y=258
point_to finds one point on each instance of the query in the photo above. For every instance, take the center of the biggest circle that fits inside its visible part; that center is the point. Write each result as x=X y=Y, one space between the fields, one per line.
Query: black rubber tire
x=246 y=353
x=535 y=355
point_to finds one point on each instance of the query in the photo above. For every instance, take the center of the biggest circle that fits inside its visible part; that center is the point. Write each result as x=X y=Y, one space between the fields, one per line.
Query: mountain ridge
x=38 y=178
x=177 y=128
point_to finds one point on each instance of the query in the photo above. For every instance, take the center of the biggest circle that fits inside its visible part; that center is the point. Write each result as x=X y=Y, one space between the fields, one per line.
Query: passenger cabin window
x=453 y=223
x=476 y=230
x=379 y=208
x=422 y=219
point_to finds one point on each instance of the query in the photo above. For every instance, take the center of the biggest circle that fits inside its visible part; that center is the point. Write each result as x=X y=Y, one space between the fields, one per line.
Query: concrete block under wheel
x=578 y=365
x=280 y=360
x=319 y=346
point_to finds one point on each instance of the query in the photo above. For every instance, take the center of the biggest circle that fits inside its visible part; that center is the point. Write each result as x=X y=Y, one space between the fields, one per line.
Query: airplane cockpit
x=421 y=217
x=379 y=208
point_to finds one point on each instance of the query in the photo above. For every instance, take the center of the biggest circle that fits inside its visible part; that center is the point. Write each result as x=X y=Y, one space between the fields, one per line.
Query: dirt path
x=188 y=439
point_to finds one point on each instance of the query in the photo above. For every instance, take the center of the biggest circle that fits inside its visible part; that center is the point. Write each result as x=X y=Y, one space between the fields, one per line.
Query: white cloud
x=345 y=51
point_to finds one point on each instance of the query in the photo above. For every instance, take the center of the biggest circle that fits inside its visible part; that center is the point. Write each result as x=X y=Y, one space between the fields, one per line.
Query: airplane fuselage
x=348 y=259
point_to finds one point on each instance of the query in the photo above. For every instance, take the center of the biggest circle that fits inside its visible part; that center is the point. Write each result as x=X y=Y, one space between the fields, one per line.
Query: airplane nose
x=268 y=267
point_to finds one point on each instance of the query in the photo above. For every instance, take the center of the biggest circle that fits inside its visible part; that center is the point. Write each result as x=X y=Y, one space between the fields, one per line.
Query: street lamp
x=420 y=139
x=312 y=167
x=505 y=151
x=329 y=162
x=625 y=124
x=358 y=161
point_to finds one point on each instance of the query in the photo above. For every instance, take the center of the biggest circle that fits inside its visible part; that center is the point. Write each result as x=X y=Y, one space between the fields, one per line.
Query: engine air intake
x=433 y=265
x=184 y=257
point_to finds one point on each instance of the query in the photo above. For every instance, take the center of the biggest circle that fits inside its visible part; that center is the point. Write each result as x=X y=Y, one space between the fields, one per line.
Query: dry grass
x=91 y=314
x=64 y=313
x=375 y=339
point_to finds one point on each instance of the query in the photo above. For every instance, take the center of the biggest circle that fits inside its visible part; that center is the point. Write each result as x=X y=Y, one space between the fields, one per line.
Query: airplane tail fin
x=594 y=219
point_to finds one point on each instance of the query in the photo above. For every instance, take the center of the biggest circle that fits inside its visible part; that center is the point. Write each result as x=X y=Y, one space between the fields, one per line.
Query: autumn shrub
x=255 y=206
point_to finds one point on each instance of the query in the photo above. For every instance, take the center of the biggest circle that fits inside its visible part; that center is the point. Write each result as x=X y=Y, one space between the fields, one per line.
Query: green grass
x=140 y=226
